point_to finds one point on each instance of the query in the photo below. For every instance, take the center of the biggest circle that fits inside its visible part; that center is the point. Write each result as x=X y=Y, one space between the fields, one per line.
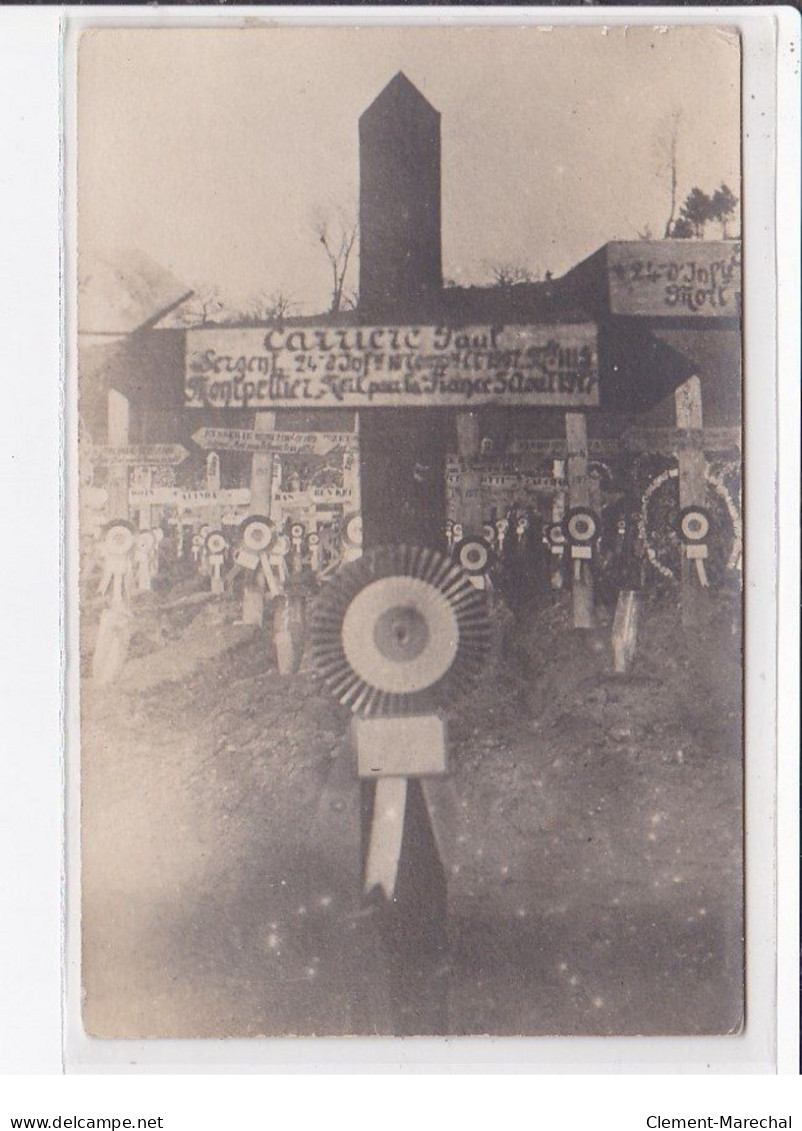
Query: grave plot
x=577 y=829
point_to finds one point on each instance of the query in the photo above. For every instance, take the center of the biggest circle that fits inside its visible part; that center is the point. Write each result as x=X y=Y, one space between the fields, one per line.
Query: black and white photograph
x=410 y=531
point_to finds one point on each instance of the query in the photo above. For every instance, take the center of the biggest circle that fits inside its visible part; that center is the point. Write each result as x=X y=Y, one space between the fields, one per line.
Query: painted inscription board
x=500 y=475
x=146 y=454
x=498 y=488
x=675 y=278
x=281 y=443
x=187 y=497
x=392 y=366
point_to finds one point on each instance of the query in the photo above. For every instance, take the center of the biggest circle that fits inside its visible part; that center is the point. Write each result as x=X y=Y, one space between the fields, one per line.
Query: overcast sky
x=214 y=151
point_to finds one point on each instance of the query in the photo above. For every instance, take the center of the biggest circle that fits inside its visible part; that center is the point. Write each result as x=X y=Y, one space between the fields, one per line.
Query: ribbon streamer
x=702 y=572
x=580 y=554
x=143 y=562
x=697 y=552
x=273 y=585
x=279 y=567
x=386 y=835
x=248 y=559
x=216 y=562
x=117 y=572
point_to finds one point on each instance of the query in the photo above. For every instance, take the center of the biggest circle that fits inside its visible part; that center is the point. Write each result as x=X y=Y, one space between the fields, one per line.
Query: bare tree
x=350 y=299
x=506 y=273
x=666 y=147
x=204 y=306
x=273 y=307
x=337 y=235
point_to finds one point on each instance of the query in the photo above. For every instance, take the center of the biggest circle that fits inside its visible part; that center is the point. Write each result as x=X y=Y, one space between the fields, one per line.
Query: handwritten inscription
x=281 y=443
x=146 y=454
x=358 y=367
x=315 y=496
x=498 y=475
x=167 y=496
x=558 y=448
x=676 y=278
x=672 y=440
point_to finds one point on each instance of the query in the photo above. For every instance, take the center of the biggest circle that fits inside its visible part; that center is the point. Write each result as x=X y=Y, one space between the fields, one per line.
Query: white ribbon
x=386 y=835
x=143 y=564
x=697 y=553
x=117 y=572
x=216 y=562
x=280 y=564
x=248 y=559
x=273 y=586
x=580 y=554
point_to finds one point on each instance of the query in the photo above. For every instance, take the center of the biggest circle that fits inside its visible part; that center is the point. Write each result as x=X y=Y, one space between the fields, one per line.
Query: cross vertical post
x=468 y=444
x=118 y=424
x=144 y=577
x=692 y=488
x=213 y=484
x=582 y=492
x=253 y=594
x=556 y=566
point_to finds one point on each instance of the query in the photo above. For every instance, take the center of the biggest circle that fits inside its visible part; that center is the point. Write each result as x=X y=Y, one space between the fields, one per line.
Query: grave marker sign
x=140 y=455
x=277 y=443
x=675 y=278
x=392 y=366
x=189 y=497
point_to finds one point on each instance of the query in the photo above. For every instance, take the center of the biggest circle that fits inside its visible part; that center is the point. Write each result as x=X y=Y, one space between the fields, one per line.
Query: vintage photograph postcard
x=410 y=529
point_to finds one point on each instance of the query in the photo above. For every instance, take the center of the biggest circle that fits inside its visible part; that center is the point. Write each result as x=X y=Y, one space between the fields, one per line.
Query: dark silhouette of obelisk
x=400 y=278
x=400 y=258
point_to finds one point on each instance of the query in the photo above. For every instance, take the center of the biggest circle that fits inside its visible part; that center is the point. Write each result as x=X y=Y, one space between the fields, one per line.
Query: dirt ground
x=590 y=832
